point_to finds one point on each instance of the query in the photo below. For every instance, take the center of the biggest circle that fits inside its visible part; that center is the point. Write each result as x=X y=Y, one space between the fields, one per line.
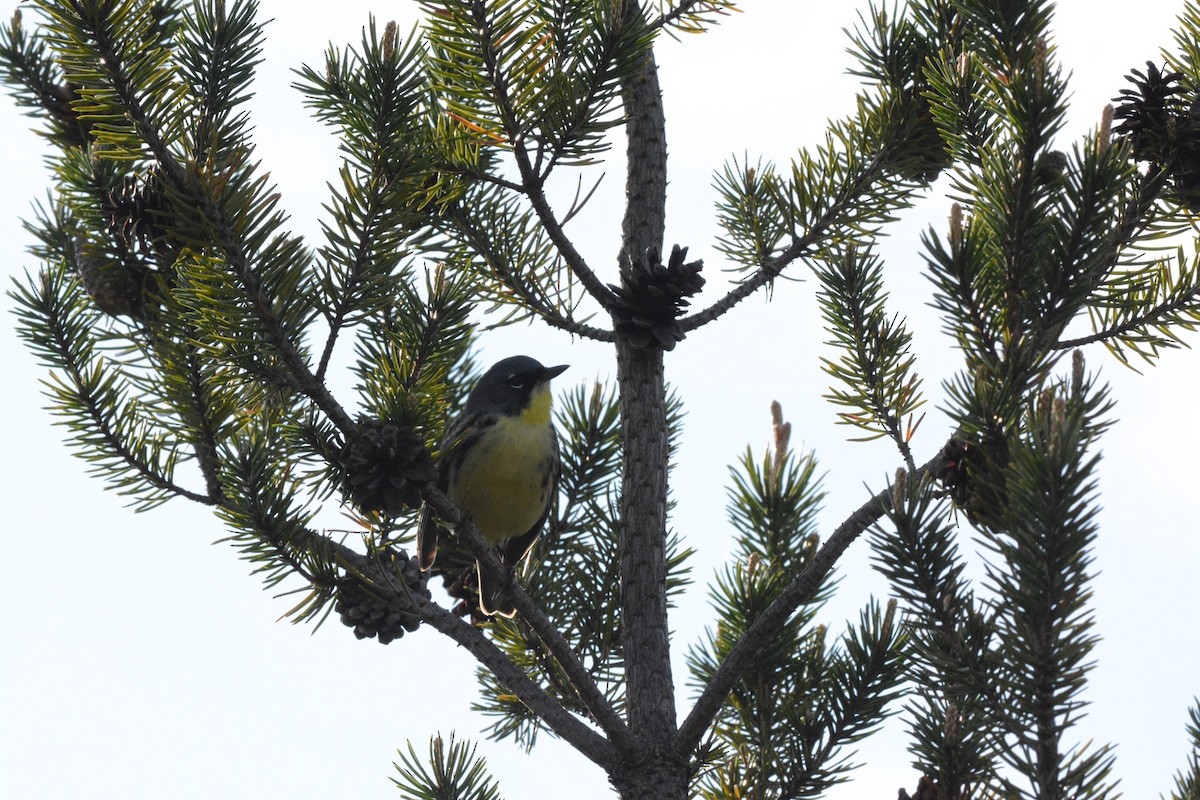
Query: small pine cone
x=1150 y=112
x=1164 y=128
x=385 y=468
x=372 y=616
x=953 y=472
x=651 y=297
x=974 y=477
x=927 y=789
x=65 y=124
x=114 y=286
x=465 y=589
x=1051 y=167
x=928 y=155
x=1185 y=168
x=135 y=209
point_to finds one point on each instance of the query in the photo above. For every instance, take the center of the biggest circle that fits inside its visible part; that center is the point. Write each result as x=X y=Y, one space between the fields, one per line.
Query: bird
x=498 y=461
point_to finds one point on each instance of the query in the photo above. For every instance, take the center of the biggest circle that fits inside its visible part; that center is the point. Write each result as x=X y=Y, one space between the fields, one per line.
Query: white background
x=140 y=660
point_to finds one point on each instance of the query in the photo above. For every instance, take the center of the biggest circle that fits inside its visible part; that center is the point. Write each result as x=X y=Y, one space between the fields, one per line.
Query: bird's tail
x=427 y=538
x=493 y=600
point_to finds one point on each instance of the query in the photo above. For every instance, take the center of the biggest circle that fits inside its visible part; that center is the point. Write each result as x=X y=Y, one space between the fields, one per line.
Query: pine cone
x=134 y=212
x=1051 y=167
x=651 y=297
x=1163 y=126
x=385 y=467
x=928 y=155
x=372 y=616
x=973 y=475
x=927 y=789
x=115 y=286
x=953 y=472
x=1146 y=112
x=465 y=589
x=1186 y=168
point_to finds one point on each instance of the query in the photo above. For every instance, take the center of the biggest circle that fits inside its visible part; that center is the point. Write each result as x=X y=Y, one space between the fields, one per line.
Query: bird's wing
x=427 y=524
x=462 y=430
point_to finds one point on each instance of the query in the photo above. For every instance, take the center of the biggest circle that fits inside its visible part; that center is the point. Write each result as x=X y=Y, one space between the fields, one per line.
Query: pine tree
x=194 y=340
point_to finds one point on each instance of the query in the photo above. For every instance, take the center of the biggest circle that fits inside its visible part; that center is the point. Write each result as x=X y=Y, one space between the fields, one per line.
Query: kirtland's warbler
x=499 y=463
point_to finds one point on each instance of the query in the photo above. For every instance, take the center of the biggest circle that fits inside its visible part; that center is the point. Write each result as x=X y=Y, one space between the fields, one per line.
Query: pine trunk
x=654 y=770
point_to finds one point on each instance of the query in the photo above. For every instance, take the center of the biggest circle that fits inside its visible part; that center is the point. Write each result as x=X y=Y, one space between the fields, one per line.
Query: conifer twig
x=544 y=310
x=803 y=587
x=773 y=267
x=532 y=182
x=228 y=239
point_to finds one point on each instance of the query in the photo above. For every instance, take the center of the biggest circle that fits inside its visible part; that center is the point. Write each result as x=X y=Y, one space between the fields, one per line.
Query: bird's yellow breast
x=505 y=480
x=538 y=410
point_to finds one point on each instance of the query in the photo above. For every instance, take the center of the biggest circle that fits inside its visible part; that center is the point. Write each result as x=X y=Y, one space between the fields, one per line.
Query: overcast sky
x=140 y=660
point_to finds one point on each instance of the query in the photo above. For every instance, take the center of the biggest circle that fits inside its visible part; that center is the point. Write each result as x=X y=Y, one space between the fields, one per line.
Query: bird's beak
x=550 y=373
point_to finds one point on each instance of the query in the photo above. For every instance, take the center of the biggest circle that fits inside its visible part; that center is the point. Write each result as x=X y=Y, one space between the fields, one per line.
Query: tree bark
x=655 y=769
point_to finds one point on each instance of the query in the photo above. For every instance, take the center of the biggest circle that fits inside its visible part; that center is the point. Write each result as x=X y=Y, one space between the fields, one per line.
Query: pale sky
x=140 y=660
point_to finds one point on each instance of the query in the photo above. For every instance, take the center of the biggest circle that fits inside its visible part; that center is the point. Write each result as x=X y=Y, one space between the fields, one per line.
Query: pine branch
x=802 y=588
x=477 y=174
x=1187 y=780
x=1187 y=302
x=376 y=98
x=798 y=704
x=93 y=395
x=207 y=438
x=532 y=183
x=219 y=46
x=768 y=729
x=190 y=189
x=1042 y=573
x=1127 y=292
x=952 y=271
x=265 y=513
x=860 y=679
x=377 y=580
x=270 y=522
x=959 y=724
x=876 y=364
x=581 y=680
x=689 y=15
x=454 y=773
x=490 y=657
x=418 y=345
x=842 y=203
x=1136 y=217
x=358 y=283
x=40 y=84
x=481 y=241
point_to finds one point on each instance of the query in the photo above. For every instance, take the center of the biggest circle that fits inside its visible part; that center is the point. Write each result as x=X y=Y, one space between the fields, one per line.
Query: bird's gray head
x=508 y=385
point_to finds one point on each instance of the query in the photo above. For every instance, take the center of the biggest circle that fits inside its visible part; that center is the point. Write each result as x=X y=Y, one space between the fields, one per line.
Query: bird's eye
x=516 y=382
